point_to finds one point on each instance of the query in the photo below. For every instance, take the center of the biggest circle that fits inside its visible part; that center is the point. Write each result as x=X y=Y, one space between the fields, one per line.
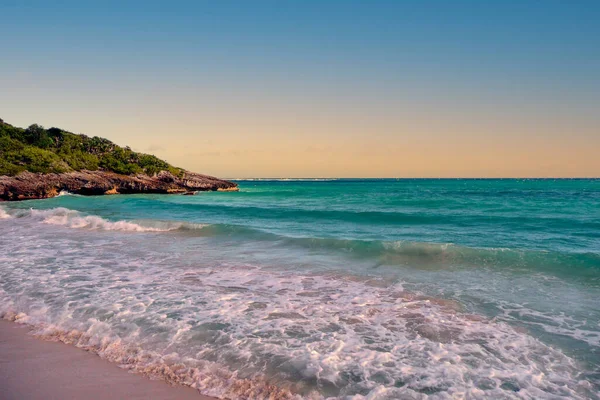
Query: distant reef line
x=38 y=163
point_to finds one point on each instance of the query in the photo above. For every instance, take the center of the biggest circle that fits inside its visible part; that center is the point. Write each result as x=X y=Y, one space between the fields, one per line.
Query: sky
x=284 y=88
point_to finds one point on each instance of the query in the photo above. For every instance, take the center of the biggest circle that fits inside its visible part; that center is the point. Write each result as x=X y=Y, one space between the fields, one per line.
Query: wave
x=4 y=214
x=426 y=254
x=67 y=193
x=74 y=219
x=266 y=212
x=379 y=253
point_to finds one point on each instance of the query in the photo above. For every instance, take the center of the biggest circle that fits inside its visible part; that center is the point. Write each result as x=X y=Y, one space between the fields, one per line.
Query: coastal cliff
x=36 y=163
x=28 y=185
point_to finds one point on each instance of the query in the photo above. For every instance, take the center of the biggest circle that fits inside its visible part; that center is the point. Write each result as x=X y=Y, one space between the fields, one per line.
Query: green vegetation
x=36 y=149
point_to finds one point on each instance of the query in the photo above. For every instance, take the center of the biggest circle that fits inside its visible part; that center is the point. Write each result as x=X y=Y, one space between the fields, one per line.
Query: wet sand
x=32 y=369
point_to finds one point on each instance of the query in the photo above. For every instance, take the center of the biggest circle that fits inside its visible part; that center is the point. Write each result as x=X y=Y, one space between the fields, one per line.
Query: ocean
x=349 y=288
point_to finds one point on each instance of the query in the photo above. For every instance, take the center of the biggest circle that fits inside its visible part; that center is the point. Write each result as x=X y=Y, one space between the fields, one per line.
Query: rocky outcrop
x=27 y=185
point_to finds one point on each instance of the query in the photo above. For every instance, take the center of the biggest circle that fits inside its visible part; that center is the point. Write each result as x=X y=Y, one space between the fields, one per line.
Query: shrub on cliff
x=36 y=149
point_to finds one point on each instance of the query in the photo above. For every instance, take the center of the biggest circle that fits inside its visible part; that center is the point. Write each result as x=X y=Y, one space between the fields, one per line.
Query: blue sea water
x=350 y=288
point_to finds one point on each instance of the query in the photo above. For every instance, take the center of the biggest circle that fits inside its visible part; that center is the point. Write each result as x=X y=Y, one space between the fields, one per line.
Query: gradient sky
x=316 y=88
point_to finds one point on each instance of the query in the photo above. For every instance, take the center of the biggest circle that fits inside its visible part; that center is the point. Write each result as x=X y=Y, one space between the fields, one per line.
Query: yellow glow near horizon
x=253 y=134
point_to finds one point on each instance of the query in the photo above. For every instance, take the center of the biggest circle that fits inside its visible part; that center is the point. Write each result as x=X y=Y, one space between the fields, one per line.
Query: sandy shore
x=32 y=369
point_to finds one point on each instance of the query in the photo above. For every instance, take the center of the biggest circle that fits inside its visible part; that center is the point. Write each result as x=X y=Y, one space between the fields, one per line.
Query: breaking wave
x=379 y=253
x=4 y=214
x=427 y=255
x=74 y=219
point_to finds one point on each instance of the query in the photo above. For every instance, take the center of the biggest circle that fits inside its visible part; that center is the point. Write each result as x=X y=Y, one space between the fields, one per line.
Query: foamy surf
x=210 y=378
x=4 y=214
x=248 y=332
x=74 y=219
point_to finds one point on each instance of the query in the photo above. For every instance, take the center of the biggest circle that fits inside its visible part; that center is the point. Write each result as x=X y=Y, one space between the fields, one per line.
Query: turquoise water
x=317 y=289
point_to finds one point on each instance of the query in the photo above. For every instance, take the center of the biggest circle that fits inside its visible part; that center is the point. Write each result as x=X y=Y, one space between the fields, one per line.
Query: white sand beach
x=32 y=369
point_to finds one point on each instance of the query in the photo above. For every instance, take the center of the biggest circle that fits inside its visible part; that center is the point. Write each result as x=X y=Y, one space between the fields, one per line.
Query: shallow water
x=323 y=289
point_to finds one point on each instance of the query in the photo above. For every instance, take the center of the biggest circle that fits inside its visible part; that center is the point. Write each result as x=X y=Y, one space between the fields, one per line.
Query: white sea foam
x=4 y=214
x=291 y=335
x=559 y=324
x=172 y=308
x=74 y=219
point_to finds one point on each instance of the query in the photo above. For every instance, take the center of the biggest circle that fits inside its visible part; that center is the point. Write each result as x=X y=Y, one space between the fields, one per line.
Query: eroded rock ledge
x=27 y=185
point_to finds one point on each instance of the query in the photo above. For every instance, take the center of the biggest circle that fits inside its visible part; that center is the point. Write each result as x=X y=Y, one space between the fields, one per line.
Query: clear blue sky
x=316 y=88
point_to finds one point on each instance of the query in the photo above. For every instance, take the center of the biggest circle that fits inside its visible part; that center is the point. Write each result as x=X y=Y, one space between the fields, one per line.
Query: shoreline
x=32 y=368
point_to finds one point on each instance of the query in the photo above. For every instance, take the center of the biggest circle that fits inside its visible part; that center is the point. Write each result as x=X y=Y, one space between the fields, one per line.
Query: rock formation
x=27 y=185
